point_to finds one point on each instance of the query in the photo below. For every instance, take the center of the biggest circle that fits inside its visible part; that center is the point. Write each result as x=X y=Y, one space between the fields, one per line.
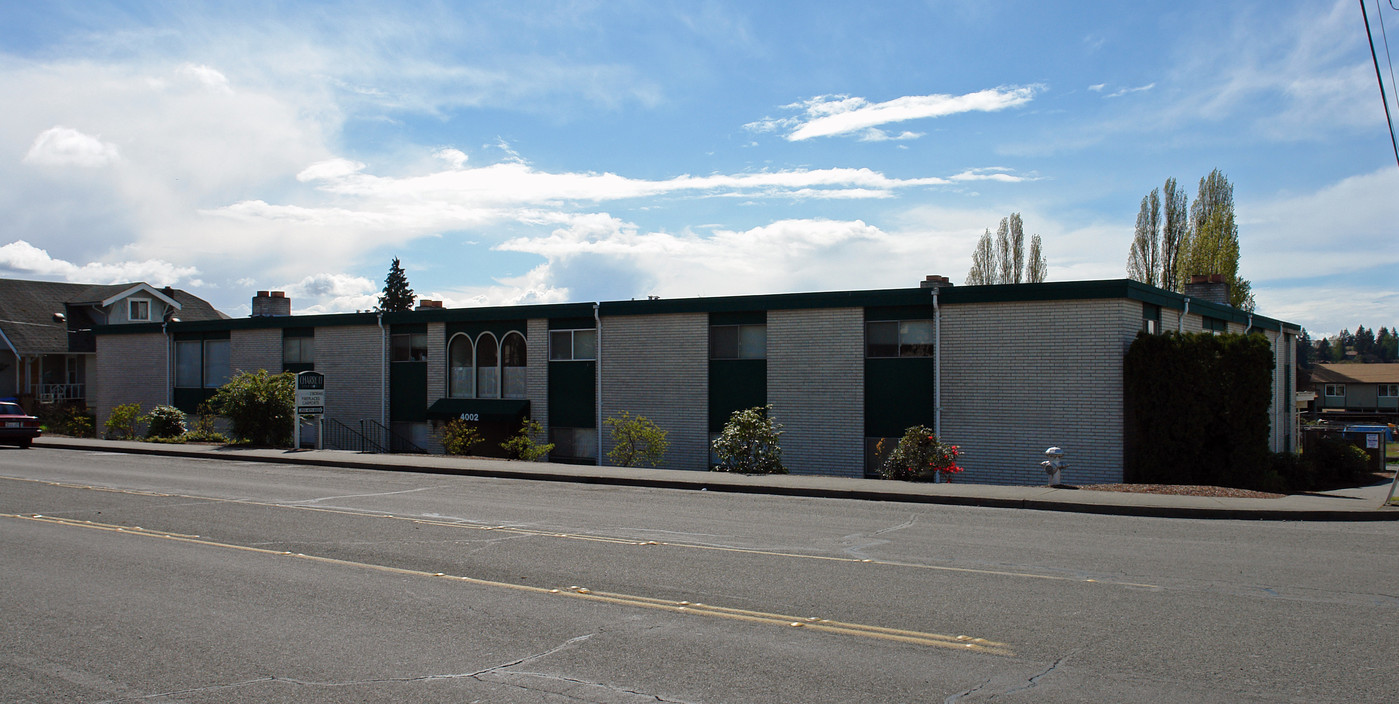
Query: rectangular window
x=298 y=349
x=1389 y=390
x=1336 y=390
x=573 y=443
x=513 y=379
x=1151 y=318
x=217 y=367
x=189 y=363
x=1214 y=325
x=899 y=338
x=138 y=309
x=738 y=341
x=408 y=347
x=572 y=345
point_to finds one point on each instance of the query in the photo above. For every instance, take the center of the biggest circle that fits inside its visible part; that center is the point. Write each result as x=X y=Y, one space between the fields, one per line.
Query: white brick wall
x=816 y=385
x=251 y=350
x=1021 y=377
x=537 y=374
x=131 y=369
x=658 y=366
x=356 y=376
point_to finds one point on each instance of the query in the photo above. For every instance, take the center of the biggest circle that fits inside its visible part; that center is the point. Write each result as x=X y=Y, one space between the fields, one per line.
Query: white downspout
x=1250 y=324
x=937 y=365
x=597 y=369
x=383 y=369
x=1180 y=322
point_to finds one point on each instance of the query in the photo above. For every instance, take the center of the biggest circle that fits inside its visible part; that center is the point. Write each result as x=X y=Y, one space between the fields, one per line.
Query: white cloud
x=20 y=258
x=1125 y=91
x=1335 y=230
x=206 y=76
x=65 y=146
x=832 y=115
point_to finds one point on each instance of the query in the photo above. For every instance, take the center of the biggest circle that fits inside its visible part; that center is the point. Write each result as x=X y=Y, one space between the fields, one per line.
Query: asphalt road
x=132 y=578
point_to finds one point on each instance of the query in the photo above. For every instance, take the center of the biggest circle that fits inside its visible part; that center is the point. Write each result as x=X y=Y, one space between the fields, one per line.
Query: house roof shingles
x=1355 y=374
x=27 y=311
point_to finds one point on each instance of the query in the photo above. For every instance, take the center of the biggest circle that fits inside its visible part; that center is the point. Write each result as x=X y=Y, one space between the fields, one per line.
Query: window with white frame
x=461 y=374
x=138 y=309
x=899 y=338
x=487 y=367
x=1335 y=390
x=572 y=345
x=513 y=361
x=1389 y=390
x=738 y=341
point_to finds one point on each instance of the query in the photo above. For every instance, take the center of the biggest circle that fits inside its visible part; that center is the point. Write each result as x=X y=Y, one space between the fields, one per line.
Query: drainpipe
x=937 y=365
x=383 y=366
x=169 y=395
x=1250 y=324
x=597 y=367
x=1180 y=322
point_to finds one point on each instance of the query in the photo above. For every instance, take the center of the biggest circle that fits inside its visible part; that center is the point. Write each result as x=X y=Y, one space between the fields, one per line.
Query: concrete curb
x=983 y=496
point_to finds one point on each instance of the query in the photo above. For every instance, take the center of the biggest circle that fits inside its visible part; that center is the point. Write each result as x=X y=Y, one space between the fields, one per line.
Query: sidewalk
x=1356 y=504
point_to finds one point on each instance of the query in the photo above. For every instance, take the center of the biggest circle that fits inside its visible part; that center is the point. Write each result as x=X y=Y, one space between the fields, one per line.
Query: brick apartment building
x=1003 y=371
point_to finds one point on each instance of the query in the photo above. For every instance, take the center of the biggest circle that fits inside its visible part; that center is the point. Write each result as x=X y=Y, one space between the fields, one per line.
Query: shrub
x=636 y=440
x=1335 y=460
x=749 y=443
x=523 y=445
x=459 y=436
x=78 y=423
x=920 y=457
x=204 y=426
x=121 y=424
x=260 y=407
x=165 y=422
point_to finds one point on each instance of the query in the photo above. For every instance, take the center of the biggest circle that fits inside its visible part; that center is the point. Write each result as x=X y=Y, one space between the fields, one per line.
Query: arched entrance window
x=487 y=367
x=512 y=365
x=459 y=368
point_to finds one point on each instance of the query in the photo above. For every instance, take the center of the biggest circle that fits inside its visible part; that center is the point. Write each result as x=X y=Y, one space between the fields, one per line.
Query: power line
x=1384 y=98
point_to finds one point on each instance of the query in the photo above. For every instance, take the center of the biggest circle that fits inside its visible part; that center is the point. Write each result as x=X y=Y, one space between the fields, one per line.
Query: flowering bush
x=459 y=436
x=748 y=444
x=920 y=457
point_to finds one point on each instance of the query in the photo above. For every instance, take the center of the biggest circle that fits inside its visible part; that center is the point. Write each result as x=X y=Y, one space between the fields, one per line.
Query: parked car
x=16 y=426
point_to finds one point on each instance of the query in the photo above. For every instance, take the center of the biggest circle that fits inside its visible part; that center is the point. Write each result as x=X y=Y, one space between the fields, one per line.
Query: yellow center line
x=613 y=540
x=936 y=640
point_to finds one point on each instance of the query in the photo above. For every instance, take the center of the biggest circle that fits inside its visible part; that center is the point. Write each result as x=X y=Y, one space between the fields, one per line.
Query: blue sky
x=545 y=152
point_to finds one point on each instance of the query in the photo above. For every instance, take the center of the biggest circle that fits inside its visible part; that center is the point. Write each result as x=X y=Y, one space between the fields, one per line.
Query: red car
x=16 y=426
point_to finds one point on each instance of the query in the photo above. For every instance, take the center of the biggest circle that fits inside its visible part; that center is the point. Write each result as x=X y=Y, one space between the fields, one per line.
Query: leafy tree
x=523 y=445
x=259 y=406
x=1214 y=238
x=1037 y=269
x=1175 y=232
x=397 y=297
x=749 y=443
x=636 y=440
x=1143 y=261
x=1002 y=261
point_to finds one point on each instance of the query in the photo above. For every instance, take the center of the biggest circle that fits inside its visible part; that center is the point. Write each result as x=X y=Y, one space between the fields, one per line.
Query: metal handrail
x=338 y=436
x=384 y=437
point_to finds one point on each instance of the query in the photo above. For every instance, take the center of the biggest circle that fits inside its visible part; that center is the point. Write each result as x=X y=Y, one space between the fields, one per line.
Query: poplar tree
x=1037 y=268
x=1143 y=261
x=1175 y=232
x=397 y=297
x=1214 y=238
x=1002 y=261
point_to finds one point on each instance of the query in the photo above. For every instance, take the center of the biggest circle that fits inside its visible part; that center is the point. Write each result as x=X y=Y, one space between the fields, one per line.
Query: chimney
x=1212 y=288
x=935 y=281
x=425 y=304
x=267 y=304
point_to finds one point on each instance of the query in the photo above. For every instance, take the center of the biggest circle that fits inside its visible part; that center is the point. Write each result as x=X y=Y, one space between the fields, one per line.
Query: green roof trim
x=880 y=298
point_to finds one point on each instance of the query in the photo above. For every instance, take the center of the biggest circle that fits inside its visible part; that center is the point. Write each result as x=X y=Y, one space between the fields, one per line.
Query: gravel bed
x=1184 y=490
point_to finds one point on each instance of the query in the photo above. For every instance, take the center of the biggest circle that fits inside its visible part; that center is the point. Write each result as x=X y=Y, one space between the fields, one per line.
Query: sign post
x=310 y=401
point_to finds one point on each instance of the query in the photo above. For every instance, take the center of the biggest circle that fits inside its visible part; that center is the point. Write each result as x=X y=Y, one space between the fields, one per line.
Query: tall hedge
x=1197 y=409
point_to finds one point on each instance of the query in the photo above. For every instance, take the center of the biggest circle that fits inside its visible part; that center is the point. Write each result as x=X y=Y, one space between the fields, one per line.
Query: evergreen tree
x=1365 y=344
x=1388 y=345
x=1323 y=351
x=1304 y=350
x=397 y=297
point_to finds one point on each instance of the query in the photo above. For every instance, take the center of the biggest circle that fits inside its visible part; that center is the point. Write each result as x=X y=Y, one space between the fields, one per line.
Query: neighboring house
x=1002 y=371
x=1357 y=388
x=47 y=349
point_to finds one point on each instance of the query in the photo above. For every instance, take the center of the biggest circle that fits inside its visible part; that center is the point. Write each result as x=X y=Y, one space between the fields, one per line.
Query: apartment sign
x=310 y=393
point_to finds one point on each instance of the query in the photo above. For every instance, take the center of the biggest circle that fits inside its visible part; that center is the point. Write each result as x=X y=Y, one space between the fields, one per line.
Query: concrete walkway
x=1356 y=504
